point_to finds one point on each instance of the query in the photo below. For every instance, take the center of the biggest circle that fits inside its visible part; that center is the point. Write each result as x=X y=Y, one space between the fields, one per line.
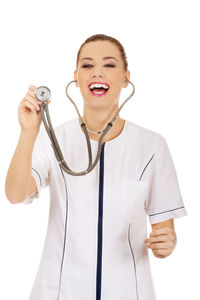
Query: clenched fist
x=162 y=241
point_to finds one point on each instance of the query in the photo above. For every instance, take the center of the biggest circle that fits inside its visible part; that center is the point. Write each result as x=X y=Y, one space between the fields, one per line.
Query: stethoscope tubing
x=50 y=131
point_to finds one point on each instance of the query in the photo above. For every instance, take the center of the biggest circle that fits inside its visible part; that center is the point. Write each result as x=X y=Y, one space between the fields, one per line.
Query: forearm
x=18 y=177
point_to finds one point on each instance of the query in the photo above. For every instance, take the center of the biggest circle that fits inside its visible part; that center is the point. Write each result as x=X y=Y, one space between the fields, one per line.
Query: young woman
x=96 y=245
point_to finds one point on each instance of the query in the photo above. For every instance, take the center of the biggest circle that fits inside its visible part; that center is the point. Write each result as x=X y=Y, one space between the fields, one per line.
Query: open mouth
x=98 y=88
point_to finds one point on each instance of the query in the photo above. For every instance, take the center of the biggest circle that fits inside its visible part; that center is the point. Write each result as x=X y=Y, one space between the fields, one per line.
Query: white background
x=39 y=44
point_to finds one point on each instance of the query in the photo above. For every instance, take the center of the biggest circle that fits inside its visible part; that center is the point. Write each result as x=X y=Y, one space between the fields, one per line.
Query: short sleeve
x=40 y=164
x=164 y=200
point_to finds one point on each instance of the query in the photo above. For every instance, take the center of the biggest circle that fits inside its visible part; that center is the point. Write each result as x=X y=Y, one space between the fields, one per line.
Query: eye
x=85 y=66
x=110 y=65
x=107 y=65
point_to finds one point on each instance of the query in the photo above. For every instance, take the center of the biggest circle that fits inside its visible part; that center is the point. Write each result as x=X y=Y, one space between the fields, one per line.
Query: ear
x=126 y=77
x=75 y=78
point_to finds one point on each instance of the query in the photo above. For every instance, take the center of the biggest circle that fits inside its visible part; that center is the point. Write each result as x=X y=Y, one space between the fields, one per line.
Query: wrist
x=29 y=133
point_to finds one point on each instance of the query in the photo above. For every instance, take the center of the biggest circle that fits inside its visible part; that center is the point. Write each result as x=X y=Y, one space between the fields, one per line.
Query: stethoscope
x=43 y=93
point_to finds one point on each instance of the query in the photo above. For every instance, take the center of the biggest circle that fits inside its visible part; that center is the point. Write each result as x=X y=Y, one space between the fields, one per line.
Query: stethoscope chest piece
x=42 y=93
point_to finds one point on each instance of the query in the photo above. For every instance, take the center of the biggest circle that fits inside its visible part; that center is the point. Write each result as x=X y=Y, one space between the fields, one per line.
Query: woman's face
x=100 y=62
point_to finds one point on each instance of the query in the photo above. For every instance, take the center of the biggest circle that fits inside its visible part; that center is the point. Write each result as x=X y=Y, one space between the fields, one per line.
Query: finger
x=160 y=238
x=30 y=106
x=159 y=231
x=32 y=87
x=159 y=246
x=48 y=101
x=32 y=101
x=32 y=94
x=162 y=252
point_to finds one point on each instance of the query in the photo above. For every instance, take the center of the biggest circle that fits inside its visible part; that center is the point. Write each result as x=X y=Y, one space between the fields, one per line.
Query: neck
x=97 y=120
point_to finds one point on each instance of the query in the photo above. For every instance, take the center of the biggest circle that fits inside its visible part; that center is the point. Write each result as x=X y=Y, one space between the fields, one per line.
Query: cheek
x=116 y=88
x=82 y=76
x=83 y=89
x=83 y=82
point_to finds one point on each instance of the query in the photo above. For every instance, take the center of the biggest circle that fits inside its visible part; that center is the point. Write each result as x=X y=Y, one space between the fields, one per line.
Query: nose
x=97 y=72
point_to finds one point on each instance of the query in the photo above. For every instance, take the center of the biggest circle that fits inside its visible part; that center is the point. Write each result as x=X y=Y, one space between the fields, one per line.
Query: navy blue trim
x=100 y=226
x=166 y=211
x=66 y=218
x=39 y=176
x=133 y=261
x=146 y=166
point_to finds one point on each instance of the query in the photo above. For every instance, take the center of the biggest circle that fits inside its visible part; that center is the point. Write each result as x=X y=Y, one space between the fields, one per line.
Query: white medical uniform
x=94 y=247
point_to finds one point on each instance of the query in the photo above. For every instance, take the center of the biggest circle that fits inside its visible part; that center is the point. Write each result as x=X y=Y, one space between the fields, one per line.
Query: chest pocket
x=130 y=198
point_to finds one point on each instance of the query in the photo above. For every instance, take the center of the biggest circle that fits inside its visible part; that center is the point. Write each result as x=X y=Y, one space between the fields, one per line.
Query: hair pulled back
x=103 y=37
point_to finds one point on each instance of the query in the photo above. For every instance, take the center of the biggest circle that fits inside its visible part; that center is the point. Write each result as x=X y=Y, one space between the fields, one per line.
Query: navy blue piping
x=146 y=166
x=133 y=261
x=166 y=211
x=100 y=226
x=64 y=233
x=39 y=176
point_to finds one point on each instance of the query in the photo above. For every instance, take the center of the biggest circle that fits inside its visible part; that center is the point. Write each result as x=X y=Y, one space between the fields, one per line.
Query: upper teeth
x=98 y=85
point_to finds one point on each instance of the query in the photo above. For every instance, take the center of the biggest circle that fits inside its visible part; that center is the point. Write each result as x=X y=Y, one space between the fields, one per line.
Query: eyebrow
x=107 y=57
